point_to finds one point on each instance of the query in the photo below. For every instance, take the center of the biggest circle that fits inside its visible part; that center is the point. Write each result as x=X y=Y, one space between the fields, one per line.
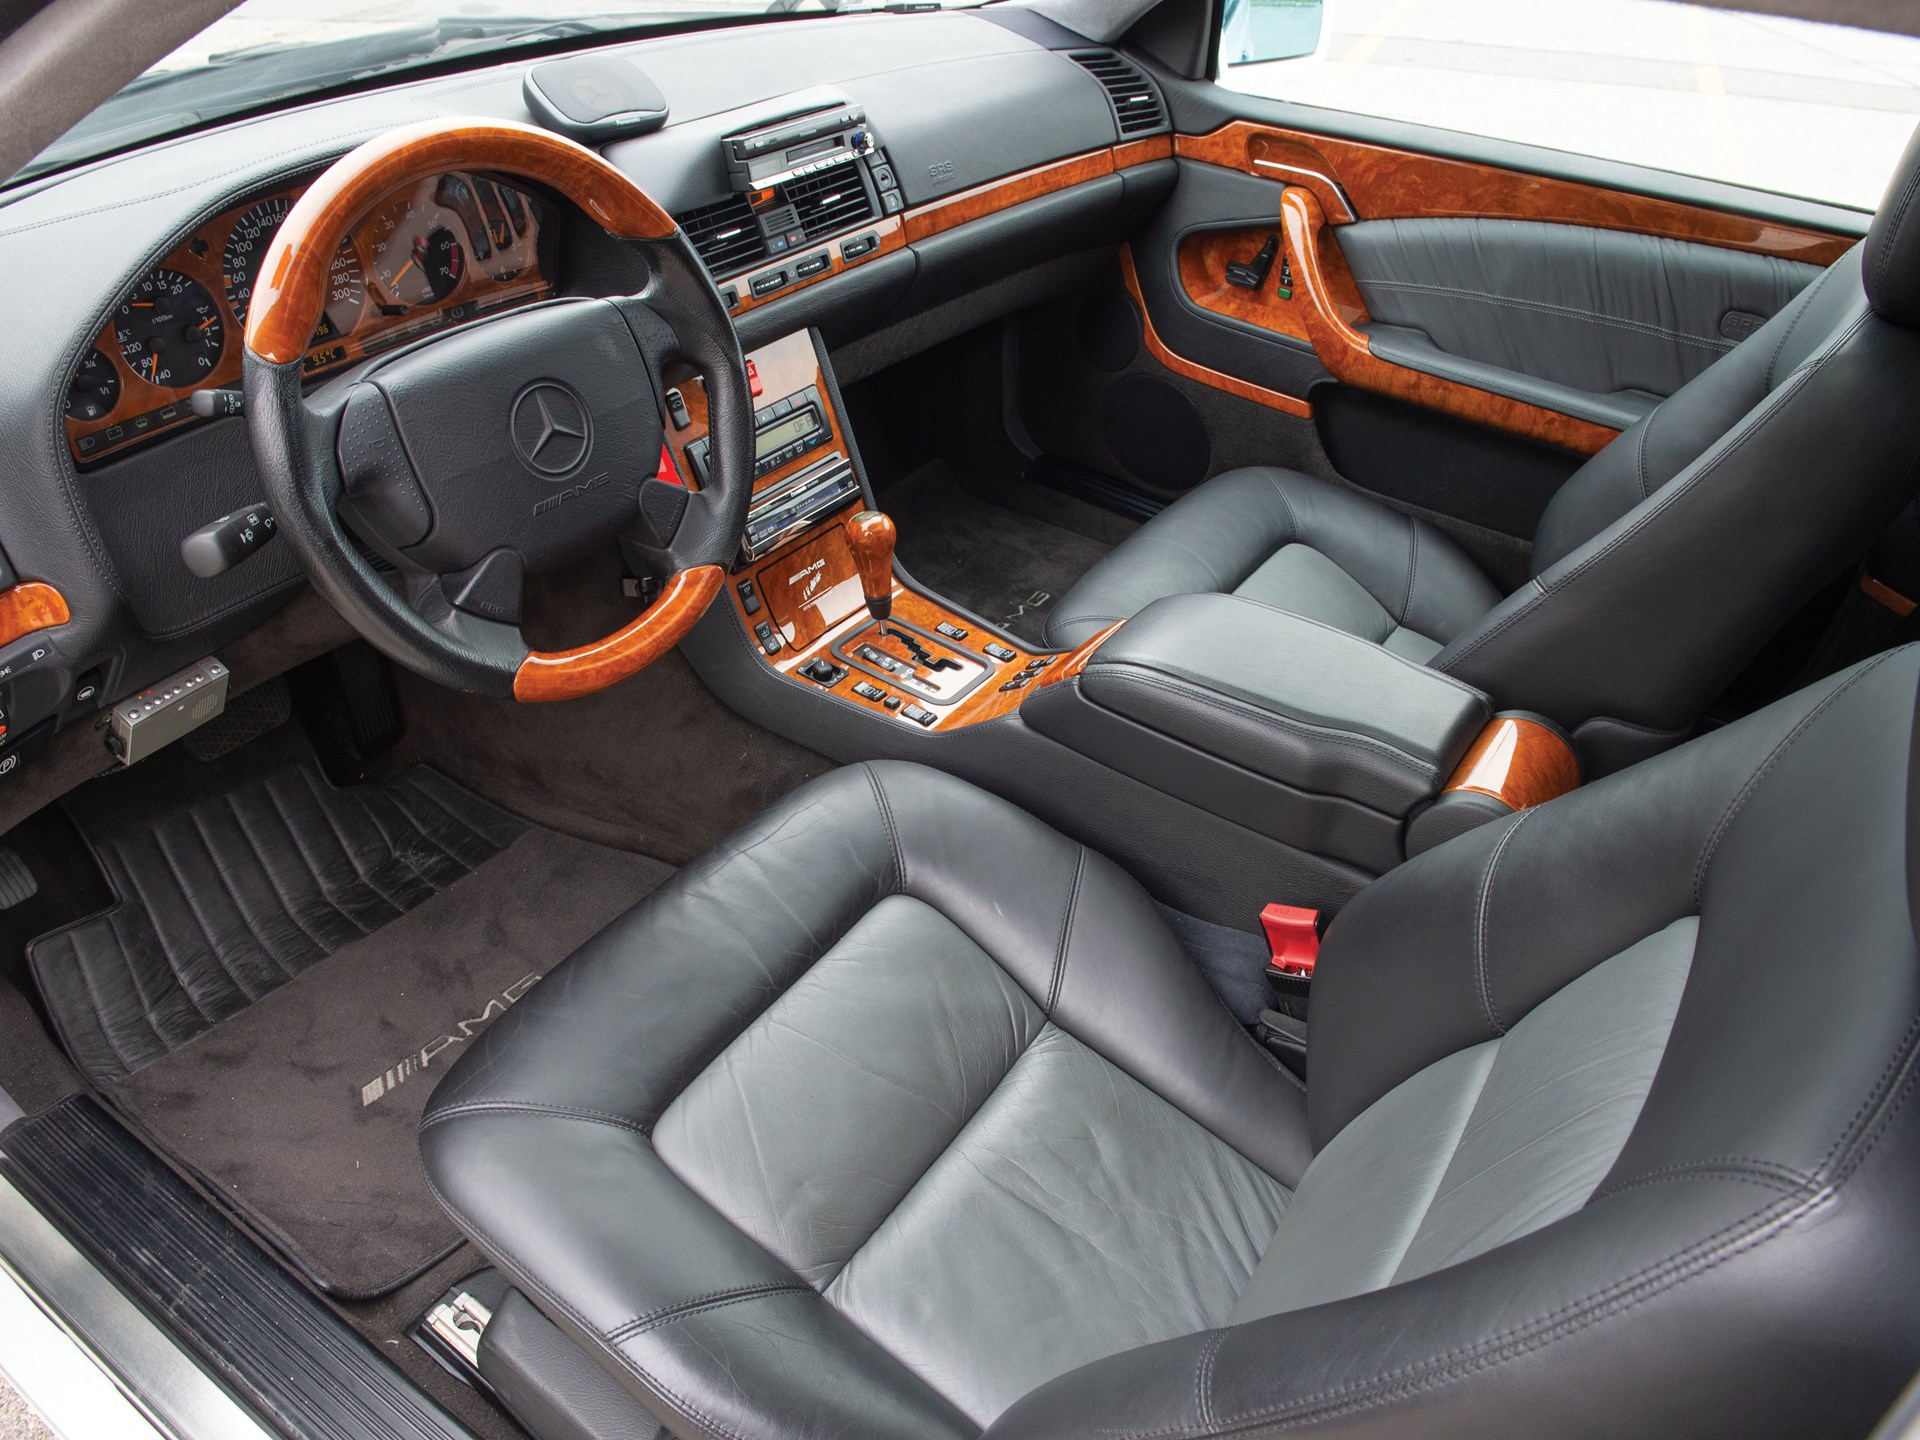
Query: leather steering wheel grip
x=287 y=307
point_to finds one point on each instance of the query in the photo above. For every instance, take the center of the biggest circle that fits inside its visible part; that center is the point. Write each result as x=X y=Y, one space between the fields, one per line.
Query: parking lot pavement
x=17 y=1422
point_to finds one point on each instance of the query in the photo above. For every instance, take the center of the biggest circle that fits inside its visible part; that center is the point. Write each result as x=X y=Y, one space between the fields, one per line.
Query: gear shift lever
x=870 y=535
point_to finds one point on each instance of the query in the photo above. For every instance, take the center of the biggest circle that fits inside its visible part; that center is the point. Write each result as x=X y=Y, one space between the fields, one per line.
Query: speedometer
x=418 y=255
x=170 y=330
x=247 y=247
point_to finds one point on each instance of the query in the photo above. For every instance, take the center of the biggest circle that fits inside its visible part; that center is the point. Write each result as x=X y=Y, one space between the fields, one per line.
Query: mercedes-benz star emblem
x=551 y=429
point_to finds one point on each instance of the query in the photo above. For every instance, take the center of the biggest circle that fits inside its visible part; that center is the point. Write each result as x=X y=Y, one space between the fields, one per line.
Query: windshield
x=267 y=51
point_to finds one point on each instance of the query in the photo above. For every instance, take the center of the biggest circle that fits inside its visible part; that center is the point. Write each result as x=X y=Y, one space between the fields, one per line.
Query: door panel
x=1600 y=324
x=1543 y=307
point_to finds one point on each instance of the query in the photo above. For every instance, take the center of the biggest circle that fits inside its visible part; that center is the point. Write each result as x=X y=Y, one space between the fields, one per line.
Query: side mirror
x=1256 y=31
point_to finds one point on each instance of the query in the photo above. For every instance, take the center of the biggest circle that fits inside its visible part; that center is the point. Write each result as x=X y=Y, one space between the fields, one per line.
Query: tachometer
x=170 y=330
x=95 y=389
x=247 y=246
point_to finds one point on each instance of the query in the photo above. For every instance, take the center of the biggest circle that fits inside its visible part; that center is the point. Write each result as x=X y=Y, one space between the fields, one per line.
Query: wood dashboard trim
x=1010 y=190
x=28 y=606
x=890 y=233
x=1332 y=310
x=1192 y=370
x=1384 y=183
x=1517 y=761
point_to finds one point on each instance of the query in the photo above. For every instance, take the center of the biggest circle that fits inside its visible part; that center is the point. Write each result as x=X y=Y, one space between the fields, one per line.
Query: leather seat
x=1659 y=568
x=901 y=1114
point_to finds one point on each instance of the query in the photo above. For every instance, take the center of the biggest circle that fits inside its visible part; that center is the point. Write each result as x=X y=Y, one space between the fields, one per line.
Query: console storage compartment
x=1288 y=727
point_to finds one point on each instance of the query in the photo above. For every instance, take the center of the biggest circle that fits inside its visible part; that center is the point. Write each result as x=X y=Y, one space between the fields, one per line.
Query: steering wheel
x=503 y=448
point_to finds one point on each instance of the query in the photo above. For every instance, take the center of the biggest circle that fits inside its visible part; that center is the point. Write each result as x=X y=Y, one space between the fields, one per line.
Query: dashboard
x=429 y=255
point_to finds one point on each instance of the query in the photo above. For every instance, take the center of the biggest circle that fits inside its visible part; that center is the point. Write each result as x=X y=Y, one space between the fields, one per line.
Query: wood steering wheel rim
x=289 y=300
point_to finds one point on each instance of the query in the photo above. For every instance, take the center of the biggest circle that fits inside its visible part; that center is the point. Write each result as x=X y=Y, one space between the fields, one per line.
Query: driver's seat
x=901 y=1114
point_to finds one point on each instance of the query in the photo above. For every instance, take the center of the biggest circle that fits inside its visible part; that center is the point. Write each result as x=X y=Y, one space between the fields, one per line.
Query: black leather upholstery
x=1659 y=568
x=708 y=1151
x=1893 y=244
x=1292 y=727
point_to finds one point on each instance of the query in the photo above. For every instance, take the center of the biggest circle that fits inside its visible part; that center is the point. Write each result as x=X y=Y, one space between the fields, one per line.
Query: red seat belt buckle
x=1294 y=935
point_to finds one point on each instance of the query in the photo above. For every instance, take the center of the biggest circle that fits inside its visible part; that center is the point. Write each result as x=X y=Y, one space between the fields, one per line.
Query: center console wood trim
x=1519 y=762
x=1353 y=180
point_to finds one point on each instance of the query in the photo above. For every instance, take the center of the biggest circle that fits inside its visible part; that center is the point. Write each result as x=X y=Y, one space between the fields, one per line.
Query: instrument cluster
x=432 y=254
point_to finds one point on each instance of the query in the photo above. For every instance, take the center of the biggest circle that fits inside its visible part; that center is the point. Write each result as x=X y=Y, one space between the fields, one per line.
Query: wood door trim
x=1384 y=183
x=1010 y=190
x=1333 y=310
x=1200 y=374
x=1517 y=761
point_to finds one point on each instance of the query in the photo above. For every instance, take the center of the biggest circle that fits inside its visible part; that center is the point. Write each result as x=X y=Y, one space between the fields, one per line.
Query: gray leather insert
x=1076 y=1216
x=1613 y=316
x=907 y=1024
x=1489 y=1144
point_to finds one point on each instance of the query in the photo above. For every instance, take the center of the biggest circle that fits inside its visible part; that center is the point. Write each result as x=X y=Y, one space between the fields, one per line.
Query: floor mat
x=1008 y=565
x=289 y=968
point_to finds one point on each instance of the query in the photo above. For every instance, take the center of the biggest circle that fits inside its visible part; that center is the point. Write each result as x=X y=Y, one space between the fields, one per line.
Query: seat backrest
x=1668 y=559
x=1615 y=1121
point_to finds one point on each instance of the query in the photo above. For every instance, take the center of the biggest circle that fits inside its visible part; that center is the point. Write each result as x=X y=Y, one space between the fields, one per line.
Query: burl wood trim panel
x=29 y=606
x=1385 y=183
x=1200 y=374
x=291 y=291
x=996 y=195
x=1332 y=311
x=1519 y=762
x=568 y=674
x=815 y=635
x=1203 y=261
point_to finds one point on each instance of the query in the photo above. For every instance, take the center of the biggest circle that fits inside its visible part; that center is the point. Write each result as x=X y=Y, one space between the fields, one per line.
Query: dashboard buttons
x=677 y=409
x=858 y=246
x=1000 y=652
x=951 y=630
x=749 y=597
x=919 y=714
x=823 y=671
x=891 y=203
x=868 y=691
x=769 y=642
x=764 y=285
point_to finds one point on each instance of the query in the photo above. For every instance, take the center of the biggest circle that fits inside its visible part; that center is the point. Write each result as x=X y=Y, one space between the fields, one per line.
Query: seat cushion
x=1299 y=544
x=893 y=1107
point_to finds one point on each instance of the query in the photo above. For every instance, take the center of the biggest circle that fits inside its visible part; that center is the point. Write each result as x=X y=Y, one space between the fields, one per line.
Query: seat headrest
x=1892 y=261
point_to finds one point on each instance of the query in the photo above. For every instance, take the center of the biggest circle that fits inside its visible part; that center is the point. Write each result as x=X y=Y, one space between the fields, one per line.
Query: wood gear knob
x=870 y=535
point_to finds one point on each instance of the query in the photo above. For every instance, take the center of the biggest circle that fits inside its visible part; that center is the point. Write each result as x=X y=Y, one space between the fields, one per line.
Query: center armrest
x=1307 y=733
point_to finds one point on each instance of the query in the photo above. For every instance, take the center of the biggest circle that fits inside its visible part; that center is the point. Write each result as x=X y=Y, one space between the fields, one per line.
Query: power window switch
x=919 y=714
x=868 y=692
x=1000 y=652
x=769 y=642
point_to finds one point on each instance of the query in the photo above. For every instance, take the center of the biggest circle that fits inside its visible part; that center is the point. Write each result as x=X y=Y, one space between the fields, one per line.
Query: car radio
x=760 y=159
x=784 y=430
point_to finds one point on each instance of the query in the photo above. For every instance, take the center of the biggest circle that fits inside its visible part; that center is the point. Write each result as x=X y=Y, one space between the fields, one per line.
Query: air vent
x=831 y=200
x=1136 y=104
x=725 y=234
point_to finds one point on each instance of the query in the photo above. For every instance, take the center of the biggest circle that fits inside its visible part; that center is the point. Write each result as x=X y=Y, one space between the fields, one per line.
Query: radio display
x=781 y=433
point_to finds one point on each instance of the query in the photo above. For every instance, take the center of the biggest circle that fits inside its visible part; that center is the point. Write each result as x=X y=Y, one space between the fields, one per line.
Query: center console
x=1229 y=753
